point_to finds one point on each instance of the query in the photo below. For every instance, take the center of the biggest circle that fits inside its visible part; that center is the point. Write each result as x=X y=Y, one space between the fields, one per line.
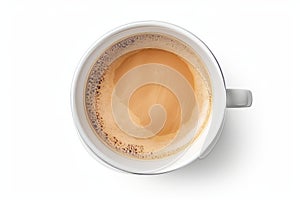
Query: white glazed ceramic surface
x=200 y=147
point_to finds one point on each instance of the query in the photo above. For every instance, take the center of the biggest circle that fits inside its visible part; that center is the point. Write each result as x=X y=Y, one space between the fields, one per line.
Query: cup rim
x=218 y=75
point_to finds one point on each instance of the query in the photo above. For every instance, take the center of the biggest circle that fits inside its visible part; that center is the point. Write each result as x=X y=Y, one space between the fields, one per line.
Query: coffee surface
x=148 y=103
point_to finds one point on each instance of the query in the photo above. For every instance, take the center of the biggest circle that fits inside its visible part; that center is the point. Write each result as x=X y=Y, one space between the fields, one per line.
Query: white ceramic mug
x=222 y=98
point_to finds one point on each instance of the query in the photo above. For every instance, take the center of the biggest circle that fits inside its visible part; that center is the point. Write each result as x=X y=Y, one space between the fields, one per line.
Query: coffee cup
x=150 y=97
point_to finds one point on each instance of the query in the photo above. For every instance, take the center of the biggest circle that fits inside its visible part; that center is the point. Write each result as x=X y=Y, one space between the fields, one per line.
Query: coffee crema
x=148 y=96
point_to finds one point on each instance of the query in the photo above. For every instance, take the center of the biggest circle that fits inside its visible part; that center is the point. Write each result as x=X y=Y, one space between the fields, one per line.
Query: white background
x=255 y=43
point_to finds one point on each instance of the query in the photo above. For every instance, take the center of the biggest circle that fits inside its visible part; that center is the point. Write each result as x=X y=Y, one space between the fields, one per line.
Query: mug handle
x=238 y=98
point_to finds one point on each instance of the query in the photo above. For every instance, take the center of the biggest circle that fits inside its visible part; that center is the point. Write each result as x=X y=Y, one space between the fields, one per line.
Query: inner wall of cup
x=136 y=42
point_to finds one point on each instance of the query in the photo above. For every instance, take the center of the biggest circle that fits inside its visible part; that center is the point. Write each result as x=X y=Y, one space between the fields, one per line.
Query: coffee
x=148 y=96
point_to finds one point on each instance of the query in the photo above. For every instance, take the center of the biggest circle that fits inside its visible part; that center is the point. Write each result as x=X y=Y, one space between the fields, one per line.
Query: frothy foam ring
x=145 y=106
